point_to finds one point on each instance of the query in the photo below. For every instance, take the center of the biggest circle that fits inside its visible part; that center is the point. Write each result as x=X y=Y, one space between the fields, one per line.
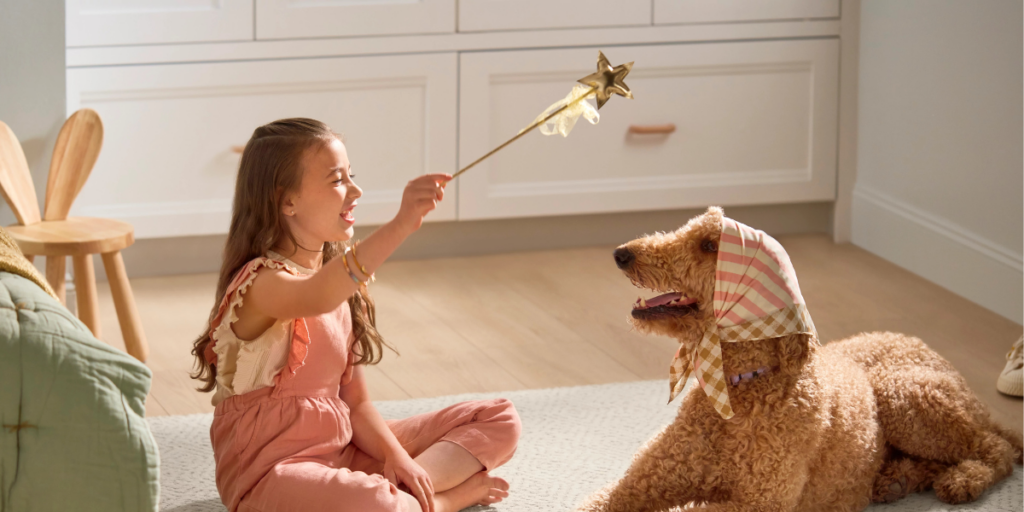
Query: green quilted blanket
x=74 y=435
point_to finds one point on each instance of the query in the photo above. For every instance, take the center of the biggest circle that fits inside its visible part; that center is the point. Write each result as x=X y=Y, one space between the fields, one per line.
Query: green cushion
x=84 y=444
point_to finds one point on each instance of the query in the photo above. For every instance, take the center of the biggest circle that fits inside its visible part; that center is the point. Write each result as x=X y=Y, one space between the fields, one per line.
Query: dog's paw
x=890 y=490
x=963 y=483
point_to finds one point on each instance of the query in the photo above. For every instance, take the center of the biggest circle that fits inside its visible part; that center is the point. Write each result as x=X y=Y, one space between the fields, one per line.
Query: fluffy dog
x=810 y=427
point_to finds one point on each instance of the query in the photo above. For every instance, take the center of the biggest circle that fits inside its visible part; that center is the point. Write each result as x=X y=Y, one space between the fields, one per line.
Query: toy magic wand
x=562 y=116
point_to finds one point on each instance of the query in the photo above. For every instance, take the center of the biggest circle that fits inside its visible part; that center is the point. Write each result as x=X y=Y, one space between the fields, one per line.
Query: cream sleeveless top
x=248 y=365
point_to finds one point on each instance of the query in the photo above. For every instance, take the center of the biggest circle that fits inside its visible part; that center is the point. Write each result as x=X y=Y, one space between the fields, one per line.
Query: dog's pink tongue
x=661 y=300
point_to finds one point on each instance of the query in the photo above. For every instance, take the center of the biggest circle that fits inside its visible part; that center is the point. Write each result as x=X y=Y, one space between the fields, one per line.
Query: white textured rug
x=575 y=440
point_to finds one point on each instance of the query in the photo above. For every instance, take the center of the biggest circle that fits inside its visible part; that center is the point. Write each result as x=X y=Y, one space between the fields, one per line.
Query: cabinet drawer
x=724 y=11
x=297 y=19
x=754 y=123
x=481 y=15
x=167 y=164
x=122 y=22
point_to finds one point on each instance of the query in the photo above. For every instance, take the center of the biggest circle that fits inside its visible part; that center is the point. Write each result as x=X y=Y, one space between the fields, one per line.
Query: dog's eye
x=709 y=246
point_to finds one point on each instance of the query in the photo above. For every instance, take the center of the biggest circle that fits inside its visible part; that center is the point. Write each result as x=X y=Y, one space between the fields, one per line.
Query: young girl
x=294 y=428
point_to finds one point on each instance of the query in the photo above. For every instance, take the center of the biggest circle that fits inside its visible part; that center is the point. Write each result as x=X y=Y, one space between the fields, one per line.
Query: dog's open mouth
x=668 y=304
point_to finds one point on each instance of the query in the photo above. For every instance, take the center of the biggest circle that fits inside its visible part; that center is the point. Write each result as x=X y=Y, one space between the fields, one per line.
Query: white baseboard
x=932 y=247
x=198 y=254
x=167 y=219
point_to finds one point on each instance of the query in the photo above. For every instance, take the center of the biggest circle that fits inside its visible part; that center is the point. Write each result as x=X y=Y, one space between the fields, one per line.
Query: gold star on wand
x=607 y=80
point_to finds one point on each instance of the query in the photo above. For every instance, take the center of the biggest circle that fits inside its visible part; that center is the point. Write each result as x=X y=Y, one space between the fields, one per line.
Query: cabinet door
x=295 y=19
x=724 y=11
x=119 y=22
x=481 y=15
x=754 y=123
x=168 y=164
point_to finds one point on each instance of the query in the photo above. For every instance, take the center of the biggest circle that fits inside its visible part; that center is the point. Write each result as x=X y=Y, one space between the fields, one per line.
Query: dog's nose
x=623 y=257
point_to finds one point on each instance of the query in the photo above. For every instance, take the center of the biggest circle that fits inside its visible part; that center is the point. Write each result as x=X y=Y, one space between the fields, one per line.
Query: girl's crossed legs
x=456 y=446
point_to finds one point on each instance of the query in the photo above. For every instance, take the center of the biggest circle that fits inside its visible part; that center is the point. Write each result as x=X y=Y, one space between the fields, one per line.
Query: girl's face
x=321 y=209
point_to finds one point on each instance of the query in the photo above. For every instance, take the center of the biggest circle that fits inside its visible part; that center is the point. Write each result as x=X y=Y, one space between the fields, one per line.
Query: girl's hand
x=420 y=197
x=400 y=468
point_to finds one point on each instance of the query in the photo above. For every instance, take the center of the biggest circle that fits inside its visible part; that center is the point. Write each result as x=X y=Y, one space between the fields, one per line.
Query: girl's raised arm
x=281 y=295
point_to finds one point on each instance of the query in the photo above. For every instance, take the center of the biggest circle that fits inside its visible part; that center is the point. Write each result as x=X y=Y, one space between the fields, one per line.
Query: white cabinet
x=300 y=19
x=755 y=123
x=167 y=164
x=484 y=15
x=128 y=22
x=723 y=11
x=421 y=86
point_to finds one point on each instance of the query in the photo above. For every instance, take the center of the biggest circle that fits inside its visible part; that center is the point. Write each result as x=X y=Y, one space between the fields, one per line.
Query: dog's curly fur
x=869 y=418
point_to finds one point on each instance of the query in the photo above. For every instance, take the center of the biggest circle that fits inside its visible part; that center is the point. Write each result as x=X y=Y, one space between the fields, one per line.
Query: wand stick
x=526 y=130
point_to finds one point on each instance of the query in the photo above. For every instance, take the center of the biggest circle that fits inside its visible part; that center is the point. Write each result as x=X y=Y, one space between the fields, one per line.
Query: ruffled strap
x=297 y=351
x=233 y=298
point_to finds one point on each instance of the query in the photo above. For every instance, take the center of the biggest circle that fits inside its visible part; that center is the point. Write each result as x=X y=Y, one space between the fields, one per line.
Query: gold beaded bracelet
x=370 y=277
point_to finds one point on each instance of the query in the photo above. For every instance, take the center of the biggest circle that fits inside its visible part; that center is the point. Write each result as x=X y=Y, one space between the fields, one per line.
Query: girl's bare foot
x=479 y=489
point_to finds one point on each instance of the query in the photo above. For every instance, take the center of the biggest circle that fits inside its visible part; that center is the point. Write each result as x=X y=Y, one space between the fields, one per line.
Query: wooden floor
x=558 y=318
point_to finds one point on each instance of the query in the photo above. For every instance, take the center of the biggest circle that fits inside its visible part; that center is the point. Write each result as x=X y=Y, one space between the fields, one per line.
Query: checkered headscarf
x=756 y=297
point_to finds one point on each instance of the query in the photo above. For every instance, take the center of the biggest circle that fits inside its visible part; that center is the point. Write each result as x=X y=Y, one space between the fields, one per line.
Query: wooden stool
x=56 y=236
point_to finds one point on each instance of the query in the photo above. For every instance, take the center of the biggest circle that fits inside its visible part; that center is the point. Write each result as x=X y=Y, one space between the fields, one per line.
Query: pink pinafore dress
x=289 y=446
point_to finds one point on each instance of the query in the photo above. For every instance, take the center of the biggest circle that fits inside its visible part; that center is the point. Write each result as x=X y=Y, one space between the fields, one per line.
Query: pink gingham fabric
x=757 y=297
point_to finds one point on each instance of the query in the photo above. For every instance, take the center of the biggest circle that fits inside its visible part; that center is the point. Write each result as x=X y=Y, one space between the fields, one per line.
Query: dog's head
x=679 y=268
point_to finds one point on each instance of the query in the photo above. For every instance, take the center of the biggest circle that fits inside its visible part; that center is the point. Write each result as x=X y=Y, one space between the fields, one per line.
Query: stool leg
x=85 y=290
x=124 y=303
x=31 y=258
x=55 y=268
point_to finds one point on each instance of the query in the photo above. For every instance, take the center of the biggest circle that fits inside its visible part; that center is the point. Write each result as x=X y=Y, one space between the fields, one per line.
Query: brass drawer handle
x=237 y=149
x=652 y=129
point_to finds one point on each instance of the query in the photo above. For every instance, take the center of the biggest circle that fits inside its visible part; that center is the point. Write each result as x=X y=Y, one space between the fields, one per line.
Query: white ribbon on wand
x=535 y=124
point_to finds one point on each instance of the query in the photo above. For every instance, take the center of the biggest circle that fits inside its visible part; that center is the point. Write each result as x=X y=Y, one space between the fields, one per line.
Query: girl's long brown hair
x=271 y=167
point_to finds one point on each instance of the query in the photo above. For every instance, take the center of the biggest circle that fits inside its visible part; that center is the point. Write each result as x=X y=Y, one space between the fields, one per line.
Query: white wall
x=940 y=176
x=33 y=97
x=32 y=92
